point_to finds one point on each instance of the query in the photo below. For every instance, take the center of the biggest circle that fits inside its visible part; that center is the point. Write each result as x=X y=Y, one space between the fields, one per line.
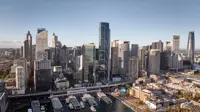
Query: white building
x=62 y=83
x=154 y=61
x=79 y=61
x=175 y=61
x=54 y=41
x=20 y=80
x=176 y=44
x=133 y=68
x=41 y=43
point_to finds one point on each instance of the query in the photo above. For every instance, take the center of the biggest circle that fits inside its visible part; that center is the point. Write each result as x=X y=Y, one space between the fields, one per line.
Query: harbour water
x=116 y=106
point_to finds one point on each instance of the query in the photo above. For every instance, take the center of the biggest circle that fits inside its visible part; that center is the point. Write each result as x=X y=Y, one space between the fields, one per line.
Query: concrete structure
x=141 y=56
x=115 y=70
x=191 y=47
x=54 y=41
x=79 y=62
x=41 y=43
x=88 y=60
x=104 y=47
x=158 y=45
x=61 y=83
x=154 y=61
x=176 y=44
x=175 y=61
x=42 y=75
x=168 y=46
x=133 y=68
x=20 y=80
x=123 y=54
x=134 y=50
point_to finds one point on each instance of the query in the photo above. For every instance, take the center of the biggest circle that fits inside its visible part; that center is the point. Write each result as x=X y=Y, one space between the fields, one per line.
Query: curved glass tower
x=191 y=47
x=104 y=47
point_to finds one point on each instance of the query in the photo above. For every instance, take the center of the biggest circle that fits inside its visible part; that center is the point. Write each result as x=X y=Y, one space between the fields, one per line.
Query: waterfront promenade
x=132 y=106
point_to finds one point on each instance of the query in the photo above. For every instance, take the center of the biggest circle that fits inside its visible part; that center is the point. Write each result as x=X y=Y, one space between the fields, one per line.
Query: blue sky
x=76 y=22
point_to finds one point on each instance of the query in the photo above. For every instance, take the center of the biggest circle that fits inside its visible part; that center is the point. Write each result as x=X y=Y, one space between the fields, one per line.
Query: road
x=65 y=91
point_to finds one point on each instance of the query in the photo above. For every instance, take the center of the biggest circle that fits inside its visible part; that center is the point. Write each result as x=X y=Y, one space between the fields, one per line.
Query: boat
x=90 y=99
x=71 y=106
x=73 y=102
x=104 y=97
x=92 y=109
x=82 y=104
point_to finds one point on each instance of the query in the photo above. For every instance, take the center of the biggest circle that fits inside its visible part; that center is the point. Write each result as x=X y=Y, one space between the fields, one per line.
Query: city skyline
x=71 y=20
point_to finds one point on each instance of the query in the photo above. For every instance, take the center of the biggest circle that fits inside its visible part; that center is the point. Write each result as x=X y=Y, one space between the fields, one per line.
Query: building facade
x=191 y=47
x=89 y=53
x=176 y=44
x=104 y=47
x=41 y=43
x=42 y=75
x=134 y=50
x=158 y=45
x=20 y=80
x=133 y=69
x=154 y=61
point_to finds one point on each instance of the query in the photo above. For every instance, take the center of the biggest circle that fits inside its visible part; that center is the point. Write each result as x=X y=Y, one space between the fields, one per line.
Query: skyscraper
x=191 y=47
x=158 y=45
x=104 y=47
x=154 y=61
x=41 y=43
x=134 y=49
x=114 y=58
x=141 y=56
x=28 y=52
x=89 y=53
x=133 y=68
x=167 y=46
x=123 y=54
x=176 y=44
x=54 y=40
x=20 y=80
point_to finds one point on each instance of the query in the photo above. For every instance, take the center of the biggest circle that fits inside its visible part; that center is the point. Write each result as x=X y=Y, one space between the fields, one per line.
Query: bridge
x=65 y=91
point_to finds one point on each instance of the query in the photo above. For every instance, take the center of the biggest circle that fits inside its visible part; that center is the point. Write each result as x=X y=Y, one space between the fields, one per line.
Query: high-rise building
x=158 y=45
x=64 y=53
x=22 y=51
x=88 y=61
x=104 y=47
x=42 y=75
x=41 y=43
x=20 y=80
x=123 y=55
x=114 y=58
x=134 y=50
x=54 y=41
x=28 y=52
x=176 y=44
x=175 y=61
x=191 y=47
x=133 y=69
x=141 y=56
x=168 y=46
x=154 y=61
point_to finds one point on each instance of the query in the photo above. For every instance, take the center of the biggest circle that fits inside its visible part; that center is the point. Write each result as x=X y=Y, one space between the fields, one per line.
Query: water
x=116 y=106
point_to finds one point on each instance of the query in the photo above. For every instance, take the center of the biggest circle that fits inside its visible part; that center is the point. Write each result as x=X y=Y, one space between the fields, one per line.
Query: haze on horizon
x=140 y=22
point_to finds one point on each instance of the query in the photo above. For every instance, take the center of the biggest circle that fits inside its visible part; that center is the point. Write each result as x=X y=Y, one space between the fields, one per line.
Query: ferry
x=73 y=102
x=90 y=99
x=82 y=105
x=104 y=98
x=92 y=109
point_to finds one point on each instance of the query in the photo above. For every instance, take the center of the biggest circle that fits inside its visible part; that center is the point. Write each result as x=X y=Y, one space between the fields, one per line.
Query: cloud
x=7 y=41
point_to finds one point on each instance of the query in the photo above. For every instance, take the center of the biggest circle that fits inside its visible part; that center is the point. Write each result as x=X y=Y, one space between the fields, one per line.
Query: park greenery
x=4 y=72
x=189 y=96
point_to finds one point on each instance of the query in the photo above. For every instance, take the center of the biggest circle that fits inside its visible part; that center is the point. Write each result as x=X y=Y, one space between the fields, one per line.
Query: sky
x=76 y=22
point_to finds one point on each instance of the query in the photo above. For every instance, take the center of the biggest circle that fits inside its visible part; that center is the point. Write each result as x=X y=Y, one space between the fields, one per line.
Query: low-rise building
x=61 y=83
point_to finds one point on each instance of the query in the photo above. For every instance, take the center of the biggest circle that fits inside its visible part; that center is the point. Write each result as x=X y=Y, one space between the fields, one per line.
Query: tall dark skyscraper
x=27 y=54
x=134 y=49
x=191 y=47
x=104 y=47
